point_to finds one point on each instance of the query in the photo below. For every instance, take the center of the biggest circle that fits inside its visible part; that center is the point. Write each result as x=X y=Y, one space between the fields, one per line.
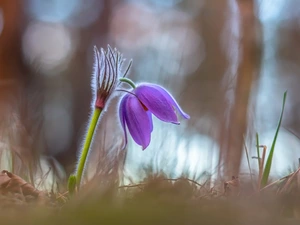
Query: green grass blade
x=72 y=184
x=267 y=169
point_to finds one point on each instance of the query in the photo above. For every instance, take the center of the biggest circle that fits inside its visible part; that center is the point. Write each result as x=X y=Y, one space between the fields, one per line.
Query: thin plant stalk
x=30 y=167
x=12 y=162
x=87 y=145
x=248 y=161
x=257 y=150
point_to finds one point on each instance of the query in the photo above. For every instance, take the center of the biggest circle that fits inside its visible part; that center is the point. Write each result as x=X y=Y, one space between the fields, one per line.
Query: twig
x=132 y=185
x=170 y=179
x=187 y=179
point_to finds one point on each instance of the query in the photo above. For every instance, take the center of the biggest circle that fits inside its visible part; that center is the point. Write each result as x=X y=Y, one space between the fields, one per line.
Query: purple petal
x=170 y=99
x=150 y=119
x=122 y=113
x=159 y=102
x=137 y=121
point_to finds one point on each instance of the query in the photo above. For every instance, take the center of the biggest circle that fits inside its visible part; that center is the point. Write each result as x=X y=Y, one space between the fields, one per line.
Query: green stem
x=86 y=146
x=128 y=81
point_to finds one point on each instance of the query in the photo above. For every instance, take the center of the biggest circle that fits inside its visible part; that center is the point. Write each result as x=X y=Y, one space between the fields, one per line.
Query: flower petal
x=170 y=99
x=157 y=102
x=122 y=113
x=138 y=122
x=150 y=119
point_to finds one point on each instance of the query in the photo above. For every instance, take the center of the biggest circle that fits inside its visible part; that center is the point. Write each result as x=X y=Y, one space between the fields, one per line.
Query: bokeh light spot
x=52 y=11
x=47 y=45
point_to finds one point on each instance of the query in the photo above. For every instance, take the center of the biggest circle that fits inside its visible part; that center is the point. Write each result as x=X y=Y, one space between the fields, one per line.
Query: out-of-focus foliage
x=227 y=62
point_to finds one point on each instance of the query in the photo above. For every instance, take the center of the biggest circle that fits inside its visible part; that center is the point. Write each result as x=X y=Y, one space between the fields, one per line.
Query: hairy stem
x=128 y=81
x=86 y=146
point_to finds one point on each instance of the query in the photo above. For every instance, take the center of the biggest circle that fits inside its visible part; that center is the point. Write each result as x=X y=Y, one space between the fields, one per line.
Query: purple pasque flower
x=107 y=71
x=137 y=107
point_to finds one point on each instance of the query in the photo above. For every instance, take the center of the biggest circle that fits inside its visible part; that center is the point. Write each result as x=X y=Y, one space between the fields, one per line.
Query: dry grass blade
x=257 y=150
x=276 y=181
x=289 y=181
x=132 y=185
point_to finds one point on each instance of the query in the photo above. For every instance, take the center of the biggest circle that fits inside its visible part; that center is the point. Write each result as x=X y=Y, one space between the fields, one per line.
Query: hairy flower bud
x=107 y=71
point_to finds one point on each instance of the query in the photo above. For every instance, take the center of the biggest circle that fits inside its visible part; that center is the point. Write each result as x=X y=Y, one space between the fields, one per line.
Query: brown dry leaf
x=3 y=179
x=11 y=183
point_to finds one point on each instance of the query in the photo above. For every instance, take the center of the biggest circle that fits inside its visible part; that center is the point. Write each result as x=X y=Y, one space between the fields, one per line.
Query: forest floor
x=158 y=200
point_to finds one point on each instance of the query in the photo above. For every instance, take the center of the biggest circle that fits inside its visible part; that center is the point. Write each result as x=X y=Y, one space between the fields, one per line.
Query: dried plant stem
x=248 y=161
x=87 y=144
x=257 y=150
x=170 y=179
x=276 y=181
x=12 y=162
x=190 y=180
x=288 y=183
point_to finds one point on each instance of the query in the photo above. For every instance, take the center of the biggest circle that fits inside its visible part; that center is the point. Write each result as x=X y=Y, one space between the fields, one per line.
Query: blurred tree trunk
x=16 y=112
x=9 y=51
x=234 y=130
x=203 y=96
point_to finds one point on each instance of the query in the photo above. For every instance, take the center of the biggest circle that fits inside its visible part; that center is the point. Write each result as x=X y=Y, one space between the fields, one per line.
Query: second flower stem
x=87 y=145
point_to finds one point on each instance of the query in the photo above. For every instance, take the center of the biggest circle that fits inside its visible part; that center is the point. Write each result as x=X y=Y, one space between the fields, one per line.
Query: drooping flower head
x=107 y=71
x=137 y=107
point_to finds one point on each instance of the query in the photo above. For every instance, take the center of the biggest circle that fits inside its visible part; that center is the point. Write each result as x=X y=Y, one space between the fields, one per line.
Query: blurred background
x=227 y=62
